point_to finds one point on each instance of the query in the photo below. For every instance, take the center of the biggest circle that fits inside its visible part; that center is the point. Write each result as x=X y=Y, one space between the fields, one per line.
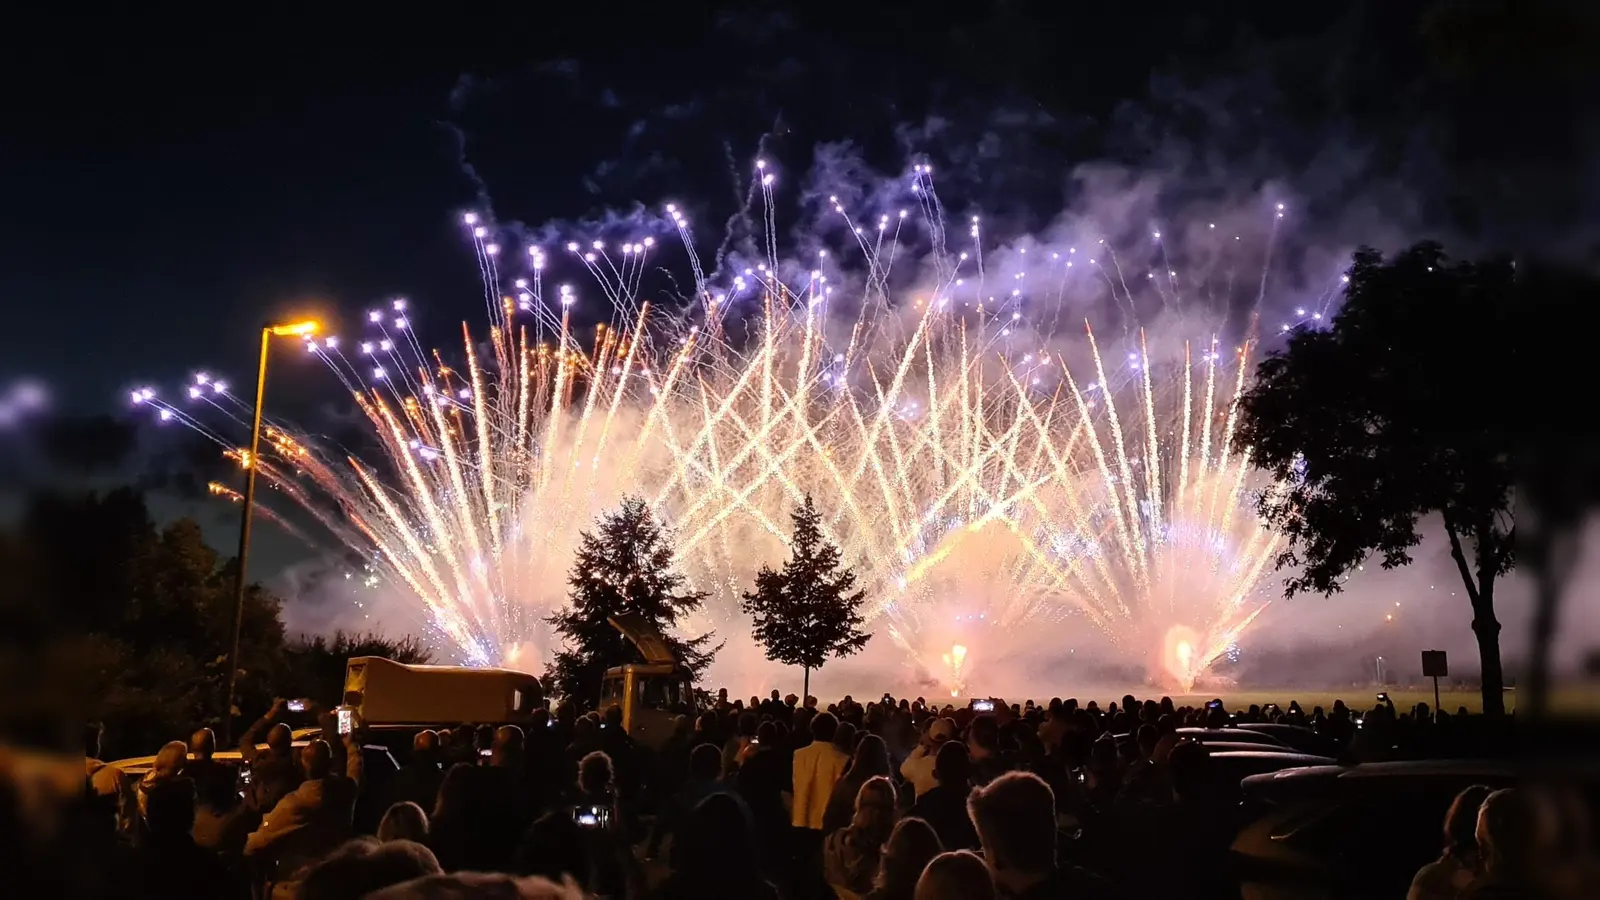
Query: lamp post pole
x=239 y=582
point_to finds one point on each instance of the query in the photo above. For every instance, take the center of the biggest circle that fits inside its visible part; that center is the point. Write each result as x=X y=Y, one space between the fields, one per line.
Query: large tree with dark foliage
x=1398 y=411
x=625 y=565
x=149 y=610
x=807 y=612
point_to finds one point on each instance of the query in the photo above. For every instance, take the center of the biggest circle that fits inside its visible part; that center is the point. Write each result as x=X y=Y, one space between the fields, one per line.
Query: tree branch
x=1460 y=557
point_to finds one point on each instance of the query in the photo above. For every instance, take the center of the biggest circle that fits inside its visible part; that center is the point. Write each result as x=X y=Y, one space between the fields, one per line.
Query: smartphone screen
x=983 y=705
x=347 y=721
x=296 y=706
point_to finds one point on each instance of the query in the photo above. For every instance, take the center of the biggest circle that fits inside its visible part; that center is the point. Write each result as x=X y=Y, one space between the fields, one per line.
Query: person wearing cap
x=918 y=767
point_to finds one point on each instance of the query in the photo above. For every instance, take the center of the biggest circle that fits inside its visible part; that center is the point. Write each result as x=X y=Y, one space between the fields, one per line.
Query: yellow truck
x=380 y=691
x=652 y=693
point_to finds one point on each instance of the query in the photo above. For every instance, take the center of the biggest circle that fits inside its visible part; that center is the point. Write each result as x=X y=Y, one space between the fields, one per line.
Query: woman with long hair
x=871 y=760
x=912 y=845
x=851 y=855
x=1446 y=877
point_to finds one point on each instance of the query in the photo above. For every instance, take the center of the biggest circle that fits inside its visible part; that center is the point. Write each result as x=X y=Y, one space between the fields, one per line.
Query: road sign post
x=1436 y=665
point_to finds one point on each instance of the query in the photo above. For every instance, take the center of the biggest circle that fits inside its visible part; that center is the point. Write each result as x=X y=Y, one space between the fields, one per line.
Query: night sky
x=165 y=193
x=170 y=185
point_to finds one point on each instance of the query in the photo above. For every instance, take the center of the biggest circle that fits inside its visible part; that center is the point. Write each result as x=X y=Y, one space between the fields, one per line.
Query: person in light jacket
x=312 y=820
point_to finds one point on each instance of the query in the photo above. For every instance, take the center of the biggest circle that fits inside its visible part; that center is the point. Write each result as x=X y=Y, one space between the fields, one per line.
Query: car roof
x=1314 y=781
x=1239 y=735
x=142 y=764
x=1301 y=759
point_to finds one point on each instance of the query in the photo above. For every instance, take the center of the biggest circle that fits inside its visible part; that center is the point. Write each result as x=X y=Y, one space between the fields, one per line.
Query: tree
x=1397 y=411
x=148 y=613
x=807 y=612
x=625 y=565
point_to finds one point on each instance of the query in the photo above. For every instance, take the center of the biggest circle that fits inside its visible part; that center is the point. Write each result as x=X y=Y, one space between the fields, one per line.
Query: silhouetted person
x=202 y=767
x=404 y=821
x=363 y=865
x=1510 y=833
x=851 y=855
x=310 y=821
x=274 y=770
x=713 y=857
x=418 y=780
x=705 y=764
x=944 y=807
x=911 y=846
x=1015 y=816
x=817 y=767
x=871 y=760
x=956 y=875
x=1458 y=866
x=764 y=776
x=168 y=864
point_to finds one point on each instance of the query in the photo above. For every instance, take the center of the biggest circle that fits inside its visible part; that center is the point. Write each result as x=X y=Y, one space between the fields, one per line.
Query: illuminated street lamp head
x=309 y=326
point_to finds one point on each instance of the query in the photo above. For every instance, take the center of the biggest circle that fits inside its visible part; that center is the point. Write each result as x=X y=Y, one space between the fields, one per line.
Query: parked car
x=1349 y=831
x=378 y=765
x=1297 y=737
x=1211 y=736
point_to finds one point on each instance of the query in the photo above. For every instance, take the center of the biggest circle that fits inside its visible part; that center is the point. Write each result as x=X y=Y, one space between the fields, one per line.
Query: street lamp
x=296 y=329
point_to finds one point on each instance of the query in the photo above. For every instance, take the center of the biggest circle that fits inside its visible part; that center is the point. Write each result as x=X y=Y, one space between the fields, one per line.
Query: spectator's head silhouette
x=871 y=757
x=169 y=809
x=455 y=796
x=1509 y=834
x=594 y=773
x=911 y=845
x=1461 y=823
x=480 y=886
x=203 y=743
x=613 y=719
x=1146 y=737
x=1015 y=816
x=984 y=736
x=767 y=733
x=824 y=727
x=363 y=866
x=874 y=814
x=425 y=745
x=169 y=761
x=956 y=875
x=316 y=759
x=280 y=740
x=554 y=848
x=507 y=747
x=715 y=848
x=705 y=762
x=404 y=821
x=952 y=767
x=845 y=737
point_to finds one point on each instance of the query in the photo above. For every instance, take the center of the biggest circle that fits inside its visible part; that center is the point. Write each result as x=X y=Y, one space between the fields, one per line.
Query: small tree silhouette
x=807 y=613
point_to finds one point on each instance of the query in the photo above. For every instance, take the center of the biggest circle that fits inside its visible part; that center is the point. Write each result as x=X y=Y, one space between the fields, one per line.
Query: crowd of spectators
x=894 y=799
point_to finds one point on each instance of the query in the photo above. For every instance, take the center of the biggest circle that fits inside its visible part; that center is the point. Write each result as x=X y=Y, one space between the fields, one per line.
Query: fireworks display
x=989 y=473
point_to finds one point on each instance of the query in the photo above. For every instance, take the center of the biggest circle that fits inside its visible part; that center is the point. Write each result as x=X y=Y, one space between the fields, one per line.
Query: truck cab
x=652 y=693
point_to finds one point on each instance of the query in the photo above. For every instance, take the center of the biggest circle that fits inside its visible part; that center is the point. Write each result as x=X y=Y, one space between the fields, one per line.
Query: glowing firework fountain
x=980 y=487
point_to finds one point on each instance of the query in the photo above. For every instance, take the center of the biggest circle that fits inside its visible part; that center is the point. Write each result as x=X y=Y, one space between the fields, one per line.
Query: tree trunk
x=1480 y=591
x=806 y=690
x=1487 y=629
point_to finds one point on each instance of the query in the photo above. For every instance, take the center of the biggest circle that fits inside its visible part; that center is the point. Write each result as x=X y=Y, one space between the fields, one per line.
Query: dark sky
x=168 y=185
